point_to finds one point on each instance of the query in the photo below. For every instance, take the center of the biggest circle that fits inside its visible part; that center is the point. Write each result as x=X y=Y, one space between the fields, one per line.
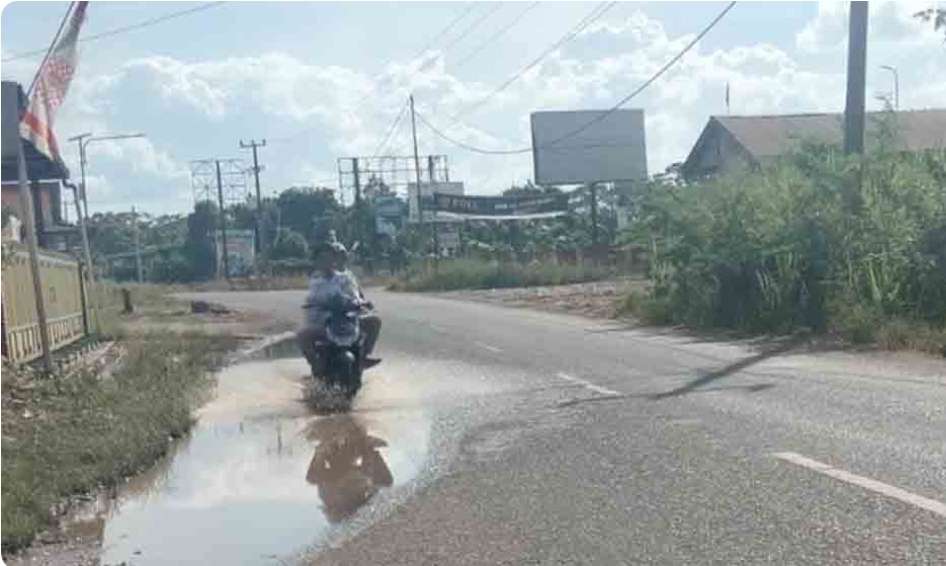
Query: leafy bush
x=770 y=250
x=289 y=244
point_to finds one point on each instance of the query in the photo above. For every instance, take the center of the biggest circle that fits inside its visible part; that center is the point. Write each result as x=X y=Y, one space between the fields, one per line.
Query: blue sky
x=324 y=80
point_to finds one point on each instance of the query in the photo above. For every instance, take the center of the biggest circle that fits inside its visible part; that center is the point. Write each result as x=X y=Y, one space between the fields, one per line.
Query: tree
x=289 y=244
x=199 y=247
x=935 y=15
x=302 y=208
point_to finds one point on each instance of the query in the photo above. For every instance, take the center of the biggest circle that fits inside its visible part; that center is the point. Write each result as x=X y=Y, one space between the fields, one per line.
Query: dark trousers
x=306 y=336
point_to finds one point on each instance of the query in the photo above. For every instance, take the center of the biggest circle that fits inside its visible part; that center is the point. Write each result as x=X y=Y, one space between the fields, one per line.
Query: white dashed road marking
x=488 y=347
x=589 y=385
x=888 y=490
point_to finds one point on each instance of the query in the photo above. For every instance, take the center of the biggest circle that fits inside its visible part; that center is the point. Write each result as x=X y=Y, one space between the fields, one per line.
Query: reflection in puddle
x=347 y=466
x=260 y=477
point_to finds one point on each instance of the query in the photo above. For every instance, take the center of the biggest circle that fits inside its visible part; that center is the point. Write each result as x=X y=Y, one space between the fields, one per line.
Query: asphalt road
x=560 y=440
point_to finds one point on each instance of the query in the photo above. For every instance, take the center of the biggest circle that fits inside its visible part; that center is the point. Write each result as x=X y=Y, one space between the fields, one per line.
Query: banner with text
x=480 y=207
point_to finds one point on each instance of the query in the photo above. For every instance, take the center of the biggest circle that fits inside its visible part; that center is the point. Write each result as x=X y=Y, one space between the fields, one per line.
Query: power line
x=473 y=26
x=123 y=29
x=391 y=130
x=598 y=11
x=660 y=72
x=444 y=31
x=492 y=39
x=649 y=81
x=422 y=50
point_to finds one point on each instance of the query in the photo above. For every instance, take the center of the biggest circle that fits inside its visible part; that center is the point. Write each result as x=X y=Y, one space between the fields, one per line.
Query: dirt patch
x=598 y=299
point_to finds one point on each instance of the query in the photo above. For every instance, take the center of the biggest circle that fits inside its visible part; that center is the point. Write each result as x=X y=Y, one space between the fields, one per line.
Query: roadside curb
x=263 y=343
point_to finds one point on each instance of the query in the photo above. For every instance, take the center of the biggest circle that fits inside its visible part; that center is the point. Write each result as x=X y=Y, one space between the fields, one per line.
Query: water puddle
x=261 y=477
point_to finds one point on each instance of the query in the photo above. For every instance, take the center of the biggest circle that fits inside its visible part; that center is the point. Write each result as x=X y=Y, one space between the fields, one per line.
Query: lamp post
x=896 y=85
x=82 y=212
x=83 y=216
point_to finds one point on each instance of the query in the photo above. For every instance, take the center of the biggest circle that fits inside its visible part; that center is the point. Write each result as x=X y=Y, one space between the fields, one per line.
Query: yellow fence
x=62 y=292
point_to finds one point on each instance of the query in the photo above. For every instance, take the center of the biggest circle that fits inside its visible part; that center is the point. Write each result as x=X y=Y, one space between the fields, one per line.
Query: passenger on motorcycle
x=331 y=278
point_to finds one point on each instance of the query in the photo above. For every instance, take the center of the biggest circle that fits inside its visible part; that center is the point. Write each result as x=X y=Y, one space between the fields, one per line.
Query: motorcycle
x=340 y=355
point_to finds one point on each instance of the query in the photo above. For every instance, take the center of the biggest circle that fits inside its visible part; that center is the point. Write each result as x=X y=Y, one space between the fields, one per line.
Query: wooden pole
x=26 y=202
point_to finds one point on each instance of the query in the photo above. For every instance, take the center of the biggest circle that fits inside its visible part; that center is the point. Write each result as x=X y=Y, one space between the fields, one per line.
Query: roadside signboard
x=588 y=146
x=532 y=206
x=241 y=252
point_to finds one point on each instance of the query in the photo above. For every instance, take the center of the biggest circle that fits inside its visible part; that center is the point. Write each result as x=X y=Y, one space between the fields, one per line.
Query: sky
x=323 y=80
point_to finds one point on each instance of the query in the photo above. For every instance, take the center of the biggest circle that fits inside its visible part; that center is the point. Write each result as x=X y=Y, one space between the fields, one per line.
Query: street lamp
x=896 y=85
x=84 y=140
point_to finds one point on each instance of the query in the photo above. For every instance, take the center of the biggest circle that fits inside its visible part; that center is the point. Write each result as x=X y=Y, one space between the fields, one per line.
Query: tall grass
x=819 y=240
x=482 y=274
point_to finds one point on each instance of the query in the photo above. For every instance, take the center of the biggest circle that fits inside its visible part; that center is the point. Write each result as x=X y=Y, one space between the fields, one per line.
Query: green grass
x=818 y=240
x=474 y=274
x=64 y=436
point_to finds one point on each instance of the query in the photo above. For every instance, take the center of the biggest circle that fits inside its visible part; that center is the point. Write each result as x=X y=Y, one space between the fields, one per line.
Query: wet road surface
x=492 y=435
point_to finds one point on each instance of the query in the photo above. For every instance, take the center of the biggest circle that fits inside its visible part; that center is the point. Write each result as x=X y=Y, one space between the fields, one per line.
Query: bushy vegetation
x=481 y=274
x=820 y=240
x=63 y=436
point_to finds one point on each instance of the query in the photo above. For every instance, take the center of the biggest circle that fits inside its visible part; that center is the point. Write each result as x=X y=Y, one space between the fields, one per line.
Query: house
x=46 y=178
x=732 y=142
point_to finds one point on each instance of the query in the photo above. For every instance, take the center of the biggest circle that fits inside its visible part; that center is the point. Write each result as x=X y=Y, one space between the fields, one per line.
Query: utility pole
x=26 y=202
x=856 y=72
x=223 y=223
x=83 y=217
x=254 y=145
x=356 y=173
x=594 y=214
x=420 y=201
x=430 y=175
x=134 y=220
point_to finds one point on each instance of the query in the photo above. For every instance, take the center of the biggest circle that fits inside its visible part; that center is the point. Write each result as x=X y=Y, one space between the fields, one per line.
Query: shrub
x=769 y=250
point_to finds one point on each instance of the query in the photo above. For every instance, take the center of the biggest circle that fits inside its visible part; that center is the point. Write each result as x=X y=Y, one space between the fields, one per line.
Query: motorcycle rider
x=330 y=278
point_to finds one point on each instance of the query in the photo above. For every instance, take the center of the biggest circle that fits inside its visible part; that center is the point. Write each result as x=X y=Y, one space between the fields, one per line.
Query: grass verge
x=69 y=436
x=471 y=274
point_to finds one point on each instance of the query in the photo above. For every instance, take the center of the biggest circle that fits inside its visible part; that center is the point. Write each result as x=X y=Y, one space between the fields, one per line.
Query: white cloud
x=888 y=22
x=346 y=110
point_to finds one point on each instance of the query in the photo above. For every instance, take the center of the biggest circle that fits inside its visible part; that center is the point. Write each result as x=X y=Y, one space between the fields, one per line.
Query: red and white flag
x=52 y=84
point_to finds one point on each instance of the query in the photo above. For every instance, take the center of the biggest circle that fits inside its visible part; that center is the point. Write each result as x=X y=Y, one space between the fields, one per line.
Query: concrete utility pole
x=430 y=175
x=134 y=220
x=82 y=217
x=594 y=214
x=223 y=223
x=420 y=201
x=84 y=140
x=856 y=73
x=254 y=145
x=26 y=202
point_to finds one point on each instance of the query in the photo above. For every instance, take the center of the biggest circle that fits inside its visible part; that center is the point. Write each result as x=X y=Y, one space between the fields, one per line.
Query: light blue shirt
x=321 y=291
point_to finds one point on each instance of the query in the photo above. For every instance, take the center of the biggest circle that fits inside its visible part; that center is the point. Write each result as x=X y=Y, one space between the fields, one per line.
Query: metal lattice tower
x=233 y=180
x=397 y=172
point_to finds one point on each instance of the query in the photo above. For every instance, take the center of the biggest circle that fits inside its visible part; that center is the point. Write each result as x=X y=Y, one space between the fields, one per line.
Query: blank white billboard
x=586 y=146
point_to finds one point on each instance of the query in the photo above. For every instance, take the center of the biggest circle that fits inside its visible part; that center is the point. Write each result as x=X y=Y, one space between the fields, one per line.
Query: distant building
x=46 y=178
x=733 y=142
